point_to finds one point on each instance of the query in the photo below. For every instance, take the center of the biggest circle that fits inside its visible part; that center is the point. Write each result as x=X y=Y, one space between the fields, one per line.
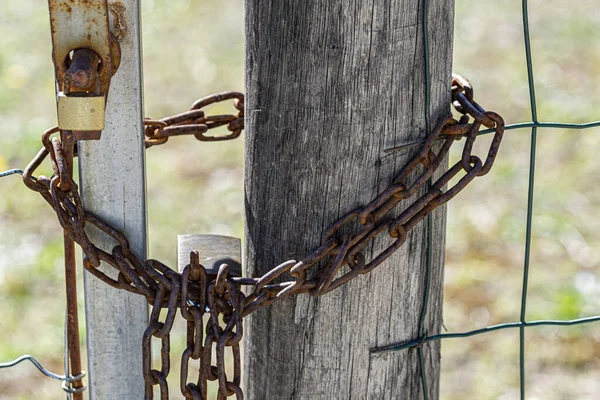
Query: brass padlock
x=81 y=111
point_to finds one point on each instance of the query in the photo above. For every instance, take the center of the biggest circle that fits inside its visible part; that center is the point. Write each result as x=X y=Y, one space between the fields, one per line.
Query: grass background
x=194 y=48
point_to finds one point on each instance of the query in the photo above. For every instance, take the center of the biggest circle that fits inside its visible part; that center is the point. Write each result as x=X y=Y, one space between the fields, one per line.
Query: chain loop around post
x=338 y=259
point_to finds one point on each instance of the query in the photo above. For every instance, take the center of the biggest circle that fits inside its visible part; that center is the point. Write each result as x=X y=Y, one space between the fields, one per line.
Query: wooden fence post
x=330 y=84
x=113 y=187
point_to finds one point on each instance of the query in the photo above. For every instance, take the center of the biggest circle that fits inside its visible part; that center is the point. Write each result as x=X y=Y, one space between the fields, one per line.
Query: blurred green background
x=193 y=48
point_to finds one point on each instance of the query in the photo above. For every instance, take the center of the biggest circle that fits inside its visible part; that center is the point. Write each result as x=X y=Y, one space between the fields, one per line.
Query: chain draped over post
x=337 y=260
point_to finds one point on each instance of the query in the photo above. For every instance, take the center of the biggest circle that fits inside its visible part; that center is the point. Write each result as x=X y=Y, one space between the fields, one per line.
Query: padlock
x=213 y=251
x=81 y=111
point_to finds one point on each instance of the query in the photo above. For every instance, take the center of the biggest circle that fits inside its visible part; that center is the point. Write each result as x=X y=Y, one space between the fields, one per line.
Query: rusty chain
x=194 y=122
x=336 y=261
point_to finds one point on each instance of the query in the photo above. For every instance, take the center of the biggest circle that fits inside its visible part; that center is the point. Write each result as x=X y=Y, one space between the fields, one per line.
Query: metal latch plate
x=213 y=251
x=77 y=24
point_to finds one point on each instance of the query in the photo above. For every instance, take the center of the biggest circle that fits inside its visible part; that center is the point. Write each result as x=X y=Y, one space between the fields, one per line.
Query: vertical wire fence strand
x=530 y=193
x=429 y=254
x=533 y=125
x=66 y=352
x=422 y=338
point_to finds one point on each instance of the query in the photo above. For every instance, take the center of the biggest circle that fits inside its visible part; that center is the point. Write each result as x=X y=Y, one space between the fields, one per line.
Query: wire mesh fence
x=522 y=323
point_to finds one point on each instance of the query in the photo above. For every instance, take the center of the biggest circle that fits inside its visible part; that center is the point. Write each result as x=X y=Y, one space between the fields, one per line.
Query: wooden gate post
x=330 y=84
x=113 y=188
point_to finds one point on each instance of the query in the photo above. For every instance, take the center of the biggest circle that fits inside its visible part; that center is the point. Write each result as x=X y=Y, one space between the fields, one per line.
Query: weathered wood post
x=113 y=187
x=330 y=84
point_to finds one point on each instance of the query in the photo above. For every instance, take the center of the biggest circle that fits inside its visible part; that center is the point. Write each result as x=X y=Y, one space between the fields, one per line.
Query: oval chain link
x=336 y=261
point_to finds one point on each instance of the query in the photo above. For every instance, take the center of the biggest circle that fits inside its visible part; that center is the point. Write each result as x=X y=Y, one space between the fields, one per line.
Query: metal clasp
x=81 y=33
x=81 y=111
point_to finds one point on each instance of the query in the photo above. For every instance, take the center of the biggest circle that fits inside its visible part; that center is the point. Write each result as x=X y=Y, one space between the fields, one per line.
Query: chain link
x=195 y=122
x=337 y=260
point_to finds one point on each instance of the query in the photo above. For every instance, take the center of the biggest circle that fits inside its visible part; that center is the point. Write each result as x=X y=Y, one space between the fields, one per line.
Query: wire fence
x=417 y=343
x=533 y=125
x=65 y=379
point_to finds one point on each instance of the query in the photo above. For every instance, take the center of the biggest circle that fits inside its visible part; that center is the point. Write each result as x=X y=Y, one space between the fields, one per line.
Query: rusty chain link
x=195 y=122
x=337 y=260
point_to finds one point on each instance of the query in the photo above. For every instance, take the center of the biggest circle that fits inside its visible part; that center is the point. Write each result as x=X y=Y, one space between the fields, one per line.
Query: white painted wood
x=331 y=84
x=113 y=187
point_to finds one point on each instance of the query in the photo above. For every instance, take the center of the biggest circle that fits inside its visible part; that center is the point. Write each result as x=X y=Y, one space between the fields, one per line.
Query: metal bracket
x=83 y=24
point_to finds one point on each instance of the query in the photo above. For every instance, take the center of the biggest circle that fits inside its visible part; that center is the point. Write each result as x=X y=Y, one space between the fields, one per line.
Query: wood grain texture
x=330 y=84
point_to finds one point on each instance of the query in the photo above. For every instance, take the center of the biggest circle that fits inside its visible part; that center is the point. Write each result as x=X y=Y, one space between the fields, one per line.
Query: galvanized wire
x=27 y=357
x=429 y=262
x=11 y=172
x=518 y=125
x=487 y=329
x=530 y=194
x=533 y=125
x=66 y=379
x=422 y=334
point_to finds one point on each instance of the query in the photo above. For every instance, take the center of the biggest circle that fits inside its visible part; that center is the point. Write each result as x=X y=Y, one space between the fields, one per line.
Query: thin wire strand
x=11 y=172
x=522 y=324
x=487 y=329
x=519 y=125
x=429 y=261
x=43 y=370
x=530 y=195
x=68 y=395
x=537 y=124
x=533 y=125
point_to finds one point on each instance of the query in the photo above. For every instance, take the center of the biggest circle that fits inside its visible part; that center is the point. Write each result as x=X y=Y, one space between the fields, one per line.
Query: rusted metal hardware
x=80 y=24
x=83 y=70
x=195 y=122
x=62 y=182
x=76 y=387
x=80 y=106
x=334 y=262
x=85 y=56
x=462 y=100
